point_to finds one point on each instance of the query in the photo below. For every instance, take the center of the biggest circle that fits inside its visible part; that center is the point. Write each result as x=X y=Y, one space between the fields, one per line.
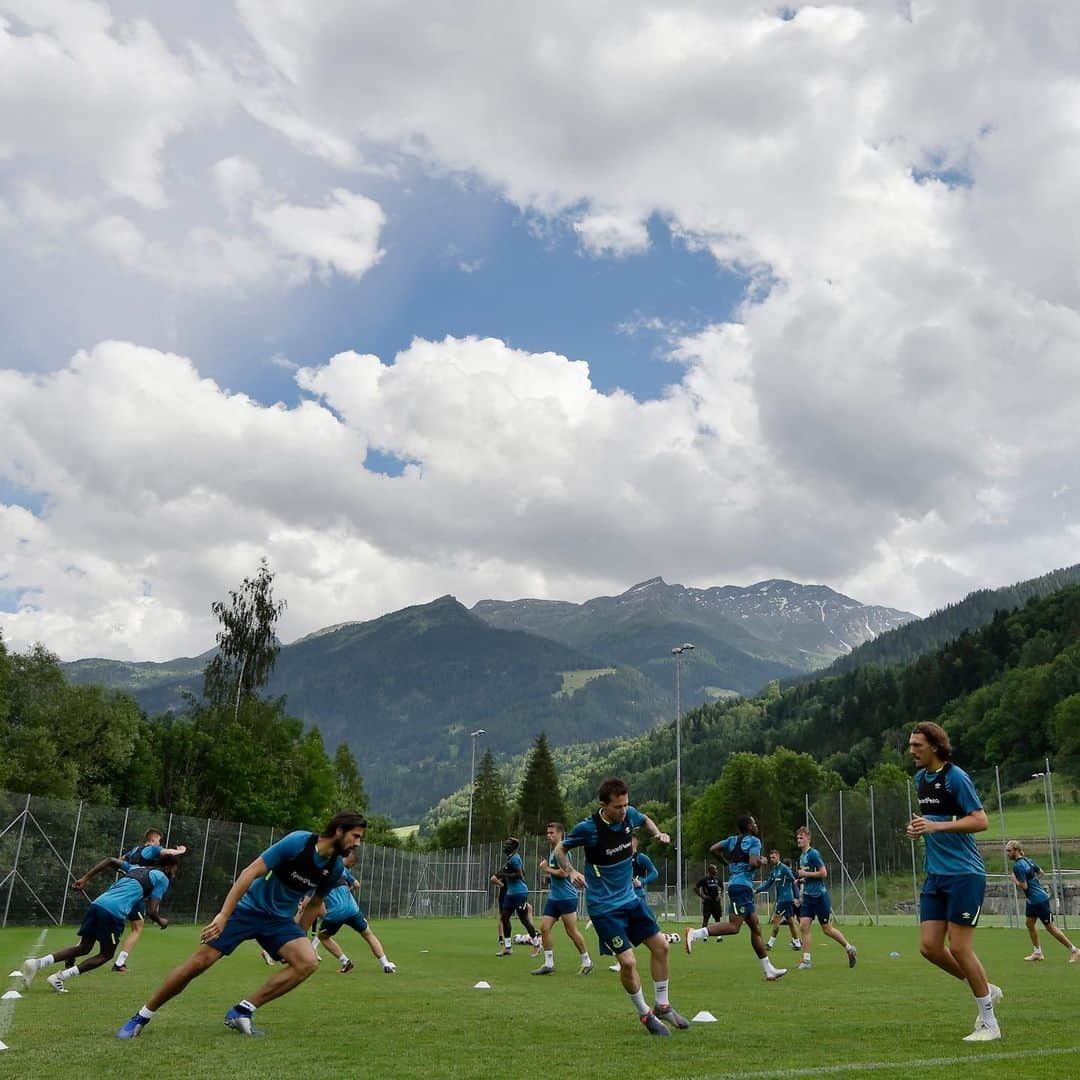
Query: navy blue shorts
x=785 y=909
x=103 y=926
x=625 y=927
x=331 y=926
x=270 y=931
x=741 y=899
x=955 y=898
x=511 y=904
x=1040 y=911
x=556 y=909
x=816 y=907
x=138 y=912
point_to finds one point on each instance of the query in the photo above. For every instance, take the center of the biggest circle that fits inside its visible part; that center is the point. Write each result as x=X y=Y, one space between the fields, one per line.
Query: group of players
x=277 y=899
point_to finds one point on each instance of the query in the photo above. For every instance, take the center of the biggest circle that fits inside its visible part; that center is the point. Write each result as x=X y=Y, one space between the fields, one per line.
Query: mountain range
x=404 y=690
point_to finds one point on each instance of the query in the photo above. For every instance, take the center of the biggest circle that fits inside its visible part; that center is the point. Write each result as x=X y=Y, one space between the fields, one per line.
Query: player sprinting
x=708 y=890
x=1027 y=876
x=815 y=902
x=343 y=909
x=561 y=905
x=262 y=905
x=949 y=813
x=621 y=918
x=743 y=853
x=515 y=899
x=145 y=854
x=103 y=923
x=782 y=878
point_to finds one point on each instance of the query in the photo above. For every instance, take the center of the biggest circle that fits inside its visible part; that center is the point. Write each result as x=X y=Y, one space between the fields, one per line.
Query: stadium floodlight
x=473 y=736
x=678 y=653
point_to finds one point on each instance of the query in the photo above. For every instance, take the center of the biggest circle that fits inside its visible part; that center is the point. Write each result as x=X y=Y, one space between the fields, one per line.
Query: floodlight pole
x=677 y=653
x=473 y=736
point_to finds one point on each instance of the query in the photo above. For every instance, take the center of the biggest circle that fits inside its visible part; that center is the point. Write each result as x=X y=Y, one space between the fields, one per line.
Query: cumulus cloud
x=612 y=234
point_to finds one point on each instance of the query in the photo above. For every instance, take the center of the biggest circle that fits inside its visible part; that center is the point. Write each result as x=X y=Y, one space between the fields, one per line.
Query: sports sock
x=343 y=960
x=69 y=973
x=46 y=960
x=772 y=941
x=638 y=998
x=766 y=966
x=145 y=1014
x=385 y=963
x=121 y=958
x=245 y=1006
x=585 y=958
x=700 y=934
x=661 y=991
x=806 y=958
x=549 y=958
x=850 y=948
x=507 y=943
x=986 y=1010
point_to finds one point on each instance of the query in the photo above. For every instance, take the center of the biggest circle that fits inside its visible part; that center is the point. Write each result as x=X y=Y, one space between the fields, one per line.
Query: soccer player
x=515 y=900
x=644 y=871
x=621 y=918
x=145 y=854
x=262 y=905
x=343 y=909
x=783 y=878
x=561 y=904
x=815 y=901
x=103 y=922
x=708 y=891
x=743 y=853
x=1026 y=875
x=949 y=813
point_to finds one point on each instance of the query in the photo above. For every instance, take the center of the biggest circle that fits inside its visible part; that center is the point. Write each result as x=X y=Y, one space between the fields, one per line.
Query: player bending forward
x=343 y=909
x=621 y=919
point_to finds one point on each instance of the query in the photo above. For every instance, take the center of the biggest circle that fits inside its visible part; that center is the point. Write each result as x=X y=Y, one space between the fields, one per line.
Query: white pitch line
x=7 y=1008
x=974 y=1058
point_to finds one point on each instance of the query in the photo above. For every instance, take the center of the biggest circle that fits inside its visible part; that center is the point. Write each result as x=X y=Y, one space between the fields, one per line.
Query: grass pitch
x=888 y=1016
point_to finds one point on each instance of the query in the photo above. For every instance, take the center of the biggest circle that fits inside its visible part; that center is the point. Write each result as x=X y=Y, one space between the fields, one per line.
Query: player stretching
x=621 y=918
x=262 y=905
x=515 y=900
x=952 y=895
x=561 y=904
x=782 y=877
x=708 y=890
x=103 y=922
x=815 y=900
x=1027 y=875
x=743 y=854
x=148 y=853
x=343 y=909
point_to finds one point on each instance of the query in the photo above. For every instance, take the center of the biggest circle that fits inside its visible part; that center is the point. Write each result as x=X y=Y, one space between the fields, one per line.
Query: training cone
x=704 y=1017
x=11 y=995
x=14 y=974
x=3 y=1045
x=481 y=985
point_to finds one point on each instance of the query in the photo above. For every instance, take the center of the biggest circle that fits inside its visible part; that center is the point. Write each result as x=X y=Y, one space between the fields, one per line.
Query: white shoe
x=30 y=969
x=688 y=940
x=984 y=1032
x=1035 y=956
x=389 y=967
x=614 y=967
x=804 y=966
x=796 y=946
x=776 y=973
x=57 y=983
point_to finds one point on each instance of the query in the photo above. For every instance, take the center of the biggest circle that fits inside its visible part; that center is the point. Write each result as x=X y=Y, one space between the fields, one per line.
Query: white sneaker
x=389 y=967
x=796 y=946
x=776 y=973
x=1074 y=956
x=57 y=983
x=1035 y=956
x=30 y=969
x=804 y=966
x=688 y=940
x=984 y=1032
x=614 y=967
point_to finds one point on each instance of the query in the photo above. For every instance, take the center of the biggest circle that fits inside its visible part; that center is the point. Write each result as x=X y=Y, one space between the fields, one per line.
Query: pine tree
x=350 y=794
x=490 y=811
x=539 y=797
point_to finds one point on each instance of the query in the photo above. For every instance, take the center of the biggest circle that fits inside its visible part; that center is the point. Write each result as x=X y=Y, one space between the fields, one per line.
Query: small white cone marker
x=704 y=1017
x=481 y=985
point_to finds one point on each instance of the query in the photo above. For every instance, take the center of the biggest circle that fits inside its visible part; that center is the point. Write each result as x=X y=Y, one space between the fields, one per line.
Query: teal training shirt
x=120 y=897
x=811 y=859
x=947 y=795
x=609 y=870
x=1025 y=870
x=561 y=888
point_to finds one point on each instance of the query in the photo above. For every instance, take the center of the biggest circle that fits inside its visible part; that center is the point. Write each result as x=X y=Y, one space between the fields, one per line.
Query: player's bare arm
x=974 y=822
x=248 y=876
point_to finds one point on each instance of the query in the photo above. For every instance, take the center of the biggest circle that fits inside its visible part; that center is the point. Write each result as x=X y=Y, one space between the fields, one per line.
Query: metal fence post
x=236 y=861
x=71 y=859
x=15 y=865
x=123 y=831
x=843 y=889
x=168 y=831
x=873 y=841
x=202 y=868
x=914 y=876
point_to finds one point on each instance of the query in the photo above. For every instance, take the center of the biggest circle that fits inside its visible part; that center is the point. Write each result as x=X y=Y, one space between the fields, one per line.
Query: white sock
x=549 y=958
x=121 y=958
x=69 y=973
x=315 y=945
x=986 y=1010
x=806 y=958
x=850 y=948
x=385 y=963
x=638 y=998
x=766 y=965
x=586 y=962
x=661 y=991
x=146 y=1014
x=45 y=961
x=772 y=941
x=507 y=943
x=700 y=934
x=343 y=960
x=1037 y=950
x=245 y=1004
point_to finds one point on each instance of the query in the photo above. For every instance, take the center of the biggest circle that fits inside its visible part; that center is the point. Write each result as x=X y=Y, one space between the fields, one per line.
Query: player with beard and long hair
x=262 y=905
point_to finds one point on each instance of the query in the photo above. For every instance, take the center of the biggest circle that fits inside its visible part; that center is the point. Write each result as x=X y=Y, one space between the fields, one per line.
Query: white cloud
x=343 y=235
x=612 y=234
x=238 y=182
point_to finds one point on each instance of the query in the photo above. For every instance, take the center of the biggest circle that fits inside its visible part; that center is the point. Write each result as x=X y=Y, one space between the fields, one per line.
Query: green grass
x=1029 y=820
x=573 y=681
x=427 y=1021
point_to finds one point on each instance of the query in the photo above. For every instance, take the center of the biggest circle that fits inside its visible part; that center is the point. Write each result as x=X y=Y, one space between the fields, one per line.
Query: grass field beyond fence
x=888 y=1016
